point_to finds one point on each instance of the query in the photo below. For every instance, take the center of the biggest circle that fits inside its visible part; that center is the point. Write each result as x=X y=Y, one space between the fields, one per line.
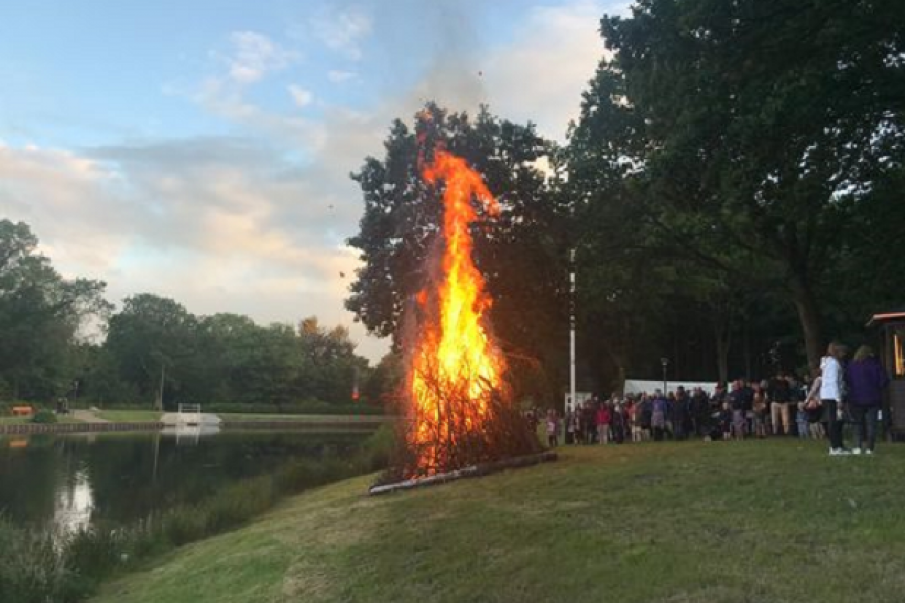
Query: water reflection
x=74 y=503
x=68 y=482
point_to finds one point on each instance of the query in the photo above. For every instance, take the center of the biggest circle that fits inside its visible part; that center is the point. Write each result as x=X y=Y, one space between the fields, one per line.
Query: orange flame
x=455 y=358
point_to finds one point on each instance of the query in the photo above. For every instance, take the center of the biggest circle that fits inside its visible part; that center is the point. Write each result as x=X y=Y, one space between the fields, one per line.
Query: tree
x=758 y=124
x=522 y=253
x=149 y=337
x=41 y=314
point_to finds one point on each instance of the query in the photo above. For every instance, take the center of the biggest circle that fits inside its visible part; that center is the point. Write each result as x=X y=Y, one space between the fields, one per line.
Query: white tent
x=640 y=386
x=580 y=398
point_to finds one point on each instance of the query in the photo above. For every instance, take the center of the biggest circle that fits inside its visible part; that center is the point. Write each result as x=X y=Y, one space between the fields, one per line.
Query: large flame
x=456 y=369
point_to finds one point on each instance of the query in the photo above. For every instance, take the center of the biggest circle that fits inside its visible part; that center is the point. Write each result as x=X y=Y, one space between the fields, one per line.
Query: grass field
x=302 y=418
x=130 y=416
x=138 y=416
x=678 y=522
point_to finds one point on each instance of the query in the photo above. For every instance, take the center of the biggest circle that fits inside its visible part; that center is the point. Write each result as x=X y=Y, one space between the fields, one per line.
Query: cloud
x=225 y=91
x=343 y=30
x=255 y=222
x=68 y=200
x=337 y=76
x=300 y=96
x=220 y=224
x=254 y=55
x=541 y=76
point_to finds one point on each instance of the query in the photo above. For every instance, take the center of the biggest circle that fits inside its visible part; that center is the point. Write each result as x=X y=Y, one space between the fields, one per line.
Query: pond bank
x=296 y=422
x=633 y=523
x=76 y=510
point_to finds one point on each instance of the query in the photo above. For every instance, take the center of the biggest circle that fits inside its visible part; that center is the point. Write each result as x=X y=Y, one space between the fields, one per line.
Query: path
x=87 y=416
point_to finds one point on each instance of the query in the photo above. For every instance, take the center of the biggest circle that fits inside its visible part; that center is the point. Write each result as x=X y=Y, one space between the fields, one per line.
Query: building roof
x=881 y=317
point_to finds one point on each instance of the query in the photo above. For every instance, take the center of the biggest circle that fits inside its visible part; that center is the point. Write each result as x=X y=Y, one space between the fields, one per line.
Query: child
x=815 y=409
x=760 y=412
x=552 y=429
x=802 y=422
x=634 y=416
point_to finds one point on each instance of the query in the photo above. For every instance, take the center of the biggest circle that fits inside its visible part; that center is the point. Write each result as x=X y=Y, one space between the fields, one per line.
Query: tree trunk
x=722 y=350
x=160 y=391
x=809 y=317
x=747 y=344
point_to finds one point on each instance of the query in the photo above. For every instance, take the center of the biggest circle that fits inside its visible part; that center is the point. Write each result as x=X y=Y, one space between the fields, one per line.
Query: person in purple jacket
x=865 y=379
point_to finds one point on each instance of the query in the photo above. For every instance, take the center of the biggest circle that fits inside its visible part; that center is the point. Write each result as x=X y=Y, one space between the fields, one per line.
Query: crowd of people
x=816 y=407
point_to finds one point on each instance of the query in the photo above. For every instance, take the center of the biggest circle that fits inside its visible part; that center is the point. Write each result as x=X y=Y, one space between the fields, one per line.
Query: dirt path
x=87 y=416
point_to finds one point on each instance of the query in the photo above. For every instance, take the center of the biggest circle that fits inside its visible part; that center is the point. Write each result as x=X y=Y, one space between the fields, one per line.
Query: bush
x=379 y=448
x=32 y=570
x=44 y=416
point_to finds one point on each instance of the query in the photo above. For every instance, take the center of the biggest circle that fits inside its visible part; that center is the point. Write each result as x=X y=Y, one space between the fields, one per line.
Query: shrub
x=32 y=570
x=44 y=416
x=379 y=448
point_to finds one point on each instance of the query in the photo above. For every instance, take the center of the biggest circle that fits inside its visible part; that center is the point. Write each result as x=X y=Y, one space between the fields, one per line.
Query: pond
x=68 y=482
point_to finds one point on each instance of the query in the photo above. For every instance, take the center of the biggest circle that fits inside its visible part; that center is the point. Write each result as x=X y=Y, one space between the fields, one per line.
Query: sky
x=201 y=150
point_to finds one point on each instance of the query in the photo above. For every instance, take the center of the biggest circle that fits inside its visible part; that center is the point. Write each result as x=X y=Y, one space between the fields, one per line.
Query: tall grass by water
x=44 y=567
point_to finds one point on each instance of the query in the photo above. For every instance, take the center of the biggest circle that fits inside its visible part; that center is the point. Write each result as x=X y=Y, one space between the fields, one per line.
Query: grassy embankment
x=686 y=522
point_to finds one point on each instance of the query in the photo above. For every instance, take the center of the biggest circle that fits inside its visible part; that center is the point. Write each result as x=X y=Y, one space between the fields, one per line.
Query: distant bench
x=23 y=411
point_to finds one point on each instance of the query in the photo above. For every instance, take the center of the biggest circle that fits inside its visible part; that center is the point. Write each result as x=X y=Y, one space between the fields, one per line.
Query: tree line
x=731 y=192
x=61 y=338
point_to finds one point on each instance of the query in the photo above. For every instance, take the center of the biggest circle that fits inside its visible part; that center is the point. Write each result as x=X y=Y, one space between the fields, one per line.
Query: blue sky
x=200 y=149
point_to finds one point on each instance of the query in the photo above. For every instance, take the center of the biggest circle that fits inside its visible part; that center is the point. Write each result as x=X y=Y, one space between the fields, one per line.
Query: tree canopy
x=728 y=189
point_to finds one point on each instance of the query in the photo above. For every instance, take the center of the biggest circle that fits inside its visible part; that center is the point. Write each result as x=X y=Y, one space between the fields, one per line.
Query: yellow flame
x=455 y=351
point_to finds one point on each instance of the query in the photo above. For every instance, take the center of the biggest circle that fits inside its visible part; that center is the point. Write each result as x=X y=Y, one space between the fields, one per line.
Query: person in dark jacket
x=681 y=414
x=865 y=380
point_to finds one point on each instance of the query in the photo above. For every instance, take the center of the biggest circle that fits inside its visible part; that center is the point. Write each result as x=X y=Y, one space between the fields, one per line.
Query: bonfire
x=460 y=408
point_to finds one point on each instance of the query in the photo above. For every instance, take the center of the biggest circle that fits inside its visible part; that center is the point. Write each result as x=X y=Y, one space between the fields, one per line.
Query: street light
x=665 y=363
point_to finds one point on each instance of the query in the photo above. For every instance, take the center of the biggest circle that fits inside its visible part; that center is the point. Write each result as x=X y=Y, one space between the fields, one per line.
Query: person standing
x=759 y=406
x=588 y=422
x=680 y=414
x=552 y=425
x=779 y=405
x=659 y=410
x=573 y=433
x=865 y=379
x=604 y=418
x=831 y=397
x=737 y=405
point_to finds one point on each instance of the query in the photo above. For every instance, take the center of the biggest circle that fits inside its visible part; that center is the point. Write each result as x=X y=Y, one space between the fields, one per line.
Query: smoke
x=440 y=39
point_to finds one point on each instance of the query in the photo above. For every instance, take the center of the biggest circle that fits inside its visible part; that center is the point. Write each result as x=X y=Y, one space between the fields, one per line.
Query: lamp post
x=665 y=363
x=572 y=321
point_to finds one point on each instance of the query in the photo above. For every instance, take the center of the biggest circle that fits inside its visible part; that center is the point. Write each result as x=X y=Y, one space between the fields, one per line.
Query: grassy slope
x=753 y=521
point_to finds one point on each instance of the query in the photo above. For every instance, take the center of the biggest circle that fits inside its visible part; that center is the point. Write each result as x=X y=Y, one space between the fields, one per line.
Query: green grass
x=130 y=416
x=689 y=523
x=301 y=418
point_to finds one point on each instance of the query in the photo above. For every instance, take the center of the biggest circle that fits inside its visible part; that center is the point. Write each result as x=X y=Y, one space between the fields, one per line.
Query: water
x=67 y=482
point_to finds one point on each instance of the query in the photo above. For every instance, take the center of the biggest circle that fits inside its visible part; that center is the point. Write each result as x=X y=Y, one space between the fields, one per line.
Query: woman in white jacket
x=832 y=385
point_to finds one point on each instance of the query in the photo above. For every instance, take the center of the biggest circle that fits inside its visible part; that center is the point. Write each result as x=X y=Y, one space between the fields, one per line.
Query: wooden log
x=471 y=471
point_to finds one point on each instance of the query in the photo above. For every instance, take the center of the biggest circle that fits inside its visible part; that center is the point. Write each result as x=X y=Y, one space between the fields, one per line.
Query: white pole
x=572 y=328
